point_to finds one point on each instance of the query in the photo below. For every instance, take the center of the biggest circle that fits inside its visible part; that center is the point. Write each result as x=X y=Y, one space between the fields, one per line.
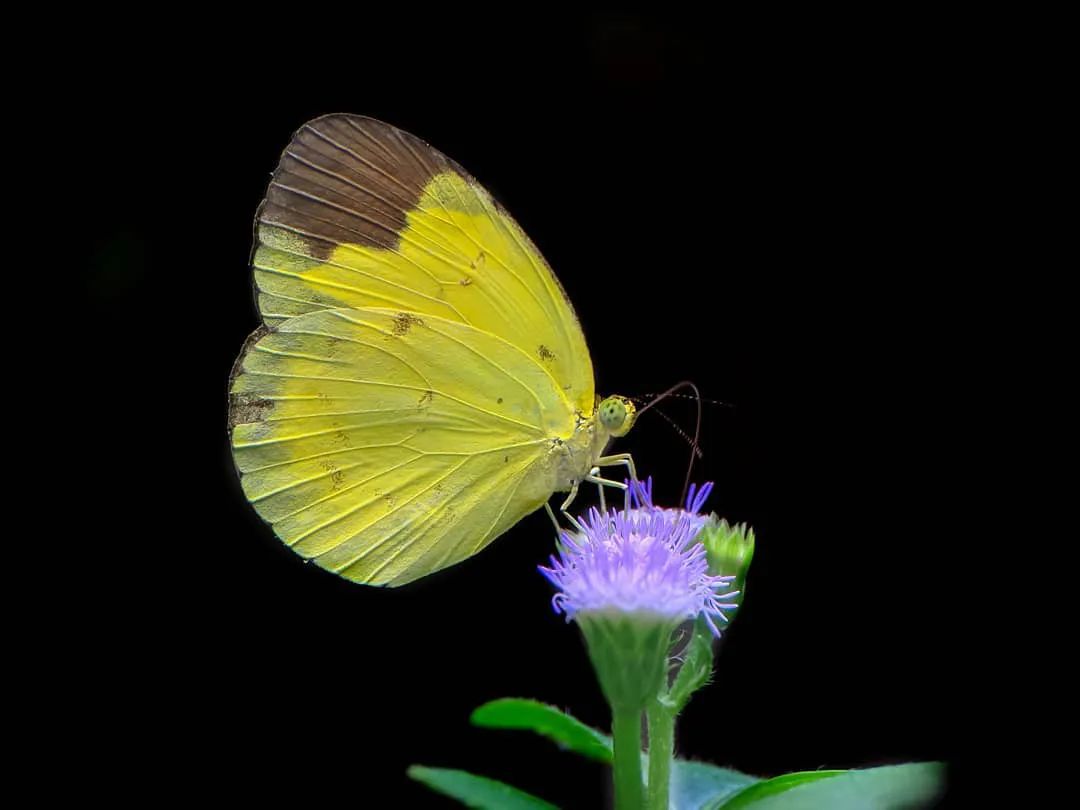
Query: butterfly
x=420 y=382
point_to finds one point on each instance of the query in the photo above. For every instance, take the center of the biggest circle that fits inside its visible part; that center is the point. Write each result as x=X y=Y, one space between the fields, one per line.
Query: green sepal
x=696 y=668
x=629 y=653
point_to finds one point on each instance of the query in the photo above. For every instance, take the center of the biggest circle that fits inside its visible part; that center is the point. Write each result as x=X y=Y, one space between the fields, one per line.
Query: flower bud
x=729 y=549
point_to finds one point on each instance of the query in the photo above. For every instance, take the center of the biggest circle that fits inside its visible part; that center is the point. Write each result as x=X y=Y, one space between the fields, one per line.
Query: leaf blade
x=697 y=785
x=474 y=791
x=771 y=787
x=892 y=787
x=563 y=729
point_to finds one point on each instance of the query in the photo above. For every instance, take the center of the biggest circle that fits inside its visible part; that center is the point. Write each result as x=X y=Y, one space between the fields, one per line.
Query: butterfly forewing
x=361 y=214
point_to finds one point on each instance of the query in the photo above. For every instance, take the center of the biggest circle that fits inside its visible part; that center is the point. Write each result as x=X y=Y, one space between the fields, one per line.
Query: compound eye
x=612 y=413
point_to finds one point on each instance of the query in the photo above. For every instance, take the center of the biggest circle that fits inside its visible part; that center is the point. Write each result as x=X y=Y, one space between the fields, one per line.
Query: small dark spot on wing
x=446 y=516
x=337 y=477
x=546 y=354
x=403 y=322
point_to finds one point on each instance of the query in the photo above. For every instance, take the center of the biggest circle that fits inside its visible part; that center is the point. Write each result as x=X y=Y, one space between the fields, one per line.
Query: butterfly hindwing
x=386 y=445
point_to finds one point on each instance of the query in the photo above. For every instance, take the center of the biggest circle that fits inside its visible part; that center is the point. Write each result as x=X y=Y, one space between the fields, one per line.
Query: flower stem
x=661 y=752
x=626 y=740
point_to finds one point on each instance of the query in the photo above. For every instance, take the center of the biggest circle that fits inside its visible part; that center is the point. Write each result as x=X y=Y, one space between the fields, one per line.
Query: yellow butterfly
x=420 y=382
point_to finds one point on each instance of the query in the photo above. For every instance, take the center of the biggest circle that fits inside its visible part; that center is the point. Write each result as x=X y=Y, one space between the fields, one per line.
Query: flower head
x=643 y=561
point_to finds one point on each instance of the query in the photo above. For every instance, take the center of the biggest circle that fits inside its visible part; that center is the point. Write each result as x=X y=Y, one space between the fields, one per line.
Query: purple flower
x=644 y=560
x=641 y=496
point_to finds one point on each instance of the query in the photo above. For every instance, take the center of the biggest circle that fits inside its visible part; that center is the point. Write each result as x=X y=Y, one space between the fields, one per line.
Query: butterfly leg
x=594 y=478
x=569 y=500
x=555 y=520
x=620 y=459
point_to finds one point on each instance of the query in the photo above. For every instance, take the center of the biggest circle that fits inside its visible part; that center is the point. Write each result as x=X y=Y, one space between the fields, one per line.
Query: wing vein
x=499 y=416
x=397 y=507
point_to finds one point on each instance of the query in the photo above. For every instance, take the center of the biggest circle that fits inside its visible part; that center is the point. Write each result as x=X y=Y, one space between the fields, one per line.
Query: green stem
x=626 y=740
x=661 y=752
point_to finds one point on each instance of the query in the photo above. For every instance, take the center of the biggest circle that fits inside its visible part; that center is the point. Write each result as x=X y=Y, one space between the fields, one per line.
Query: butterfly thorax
x=570 y=459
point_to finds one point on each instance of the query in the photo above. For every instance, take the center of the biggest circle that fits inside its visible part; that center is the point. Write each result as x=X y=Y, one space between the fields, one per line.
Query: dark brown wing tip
x=348 y=179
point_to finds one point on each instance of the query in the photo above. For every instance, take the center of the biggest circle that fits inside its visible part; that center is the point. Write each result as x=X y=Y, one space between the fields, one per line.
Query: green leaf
x=696 y=785
x=893 y=787
x=477 y=791
x=771 y=787
x=531 y=715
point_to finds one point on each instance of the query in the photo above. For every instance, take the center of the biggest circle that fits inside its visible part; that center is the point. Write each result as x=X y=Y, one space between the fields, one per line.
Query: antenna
x=705 y=400
x=694 y=450
x=680 y=431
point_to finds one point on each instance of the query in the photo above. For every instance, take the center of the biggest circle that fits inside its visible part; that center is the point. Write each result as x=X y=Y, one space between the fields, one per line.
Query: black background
x=772 y=215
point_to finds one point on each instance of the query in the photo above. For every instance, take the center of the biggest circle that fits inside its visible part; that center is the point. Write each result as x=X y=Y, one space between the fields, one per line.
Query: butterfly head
x=616 y=415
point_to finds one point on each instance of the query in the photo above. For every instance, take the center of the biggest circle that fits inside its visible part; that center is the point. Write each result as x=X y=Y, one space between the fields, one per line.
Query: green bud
x=729 y=550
